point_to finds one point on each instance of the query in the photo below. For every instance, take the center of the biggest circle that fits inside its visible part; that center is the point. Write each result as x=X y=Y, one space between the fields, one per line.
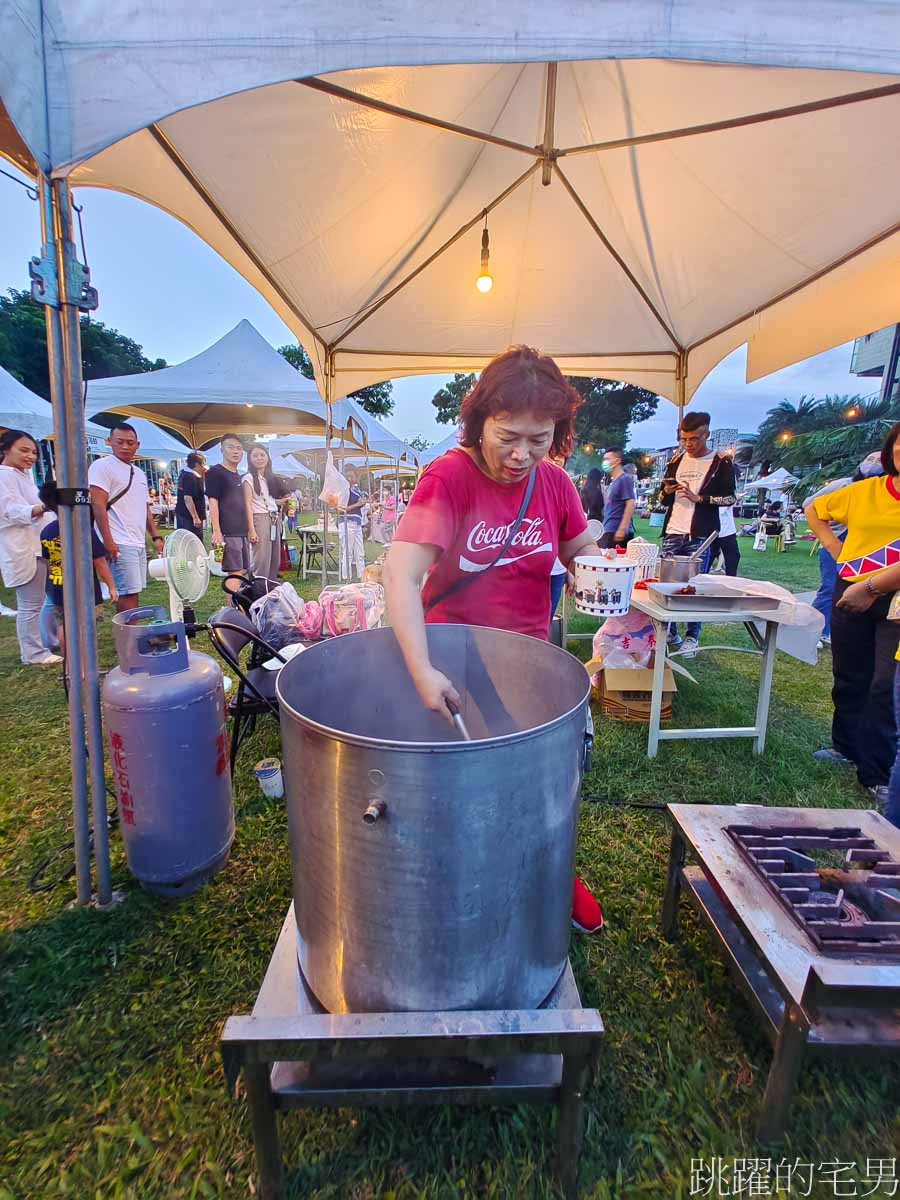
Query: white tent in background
x=281 y=463
x=154 y=442
x=22 y=409
x=439 y=448
x=240 y=384
x=778 y=481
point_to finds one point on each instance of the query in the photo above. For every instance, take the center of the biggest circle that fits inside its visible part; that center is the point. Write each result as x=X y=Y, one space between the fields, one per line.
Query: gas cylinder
x=164 y=710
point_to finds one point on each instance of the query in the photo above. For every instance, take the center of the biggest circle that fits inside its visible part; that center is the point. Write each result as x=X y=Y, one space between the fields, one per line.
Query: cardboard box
x=624 y=695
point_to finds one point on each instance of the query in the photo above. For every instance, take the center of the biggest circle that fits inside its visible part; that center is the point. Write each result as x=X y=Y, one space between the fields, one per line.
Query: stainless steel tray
x=663 y=594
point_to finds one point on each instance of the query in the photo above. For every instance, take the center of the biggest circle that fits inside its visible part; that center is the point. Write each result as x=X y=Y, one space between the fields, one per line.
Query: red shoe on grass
x=586 y=913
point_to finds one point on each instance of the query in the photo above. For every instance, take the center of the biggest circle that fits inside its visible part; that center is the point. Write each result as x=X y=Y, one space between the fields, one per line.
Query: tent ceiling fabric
x=240 y=384
x=631 y=255
x=703 y=175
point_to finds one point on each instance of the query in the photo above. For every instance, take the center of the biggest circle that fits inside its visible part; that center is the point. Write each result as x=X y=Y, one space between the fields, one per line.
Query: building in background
x=876 y=351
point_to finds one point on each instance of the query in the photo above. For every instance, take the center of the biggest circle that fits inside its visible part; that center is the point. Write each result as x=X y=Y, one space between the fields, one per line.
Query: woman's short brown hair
x=887 y=450
x=522 y=380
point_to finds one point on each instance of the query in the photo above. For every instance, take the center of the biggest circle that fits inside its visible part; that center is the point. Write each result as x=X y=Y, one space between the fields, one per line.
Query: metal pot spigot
x=376 y=810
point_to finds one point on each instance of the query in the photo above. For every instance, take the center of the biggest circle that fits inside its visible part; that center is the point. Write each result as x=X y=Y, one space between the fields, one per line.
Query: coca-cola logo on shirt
x=529 y=539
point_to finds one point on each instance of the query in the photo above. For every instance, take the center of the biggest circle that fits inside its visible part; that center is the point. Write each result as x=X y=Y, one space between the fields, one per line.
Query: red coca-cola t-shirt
x=457 y=508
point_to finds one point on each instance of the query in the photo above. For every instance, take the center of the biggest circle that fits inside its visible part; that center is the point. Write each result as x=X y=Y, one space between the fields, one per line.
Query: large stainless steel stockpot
x=431 y=873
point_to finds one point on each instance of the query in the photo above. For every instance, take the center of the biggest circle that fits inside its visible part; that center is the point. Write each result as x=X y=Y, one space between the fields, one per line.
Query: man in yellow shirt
x=864 y=641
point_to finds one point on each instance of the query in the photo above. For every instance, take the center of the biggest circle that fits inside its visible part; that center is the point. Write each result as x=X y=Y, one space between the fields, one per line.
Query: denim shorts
x=129 y=570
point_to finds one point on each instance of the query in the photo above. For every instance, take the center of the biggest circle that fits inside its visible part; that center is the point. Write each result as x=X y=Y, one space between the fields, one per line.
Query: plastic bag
x=352 y=607
x=311 y=621
x=625 y=642
x=336 y=489
x=277 y=615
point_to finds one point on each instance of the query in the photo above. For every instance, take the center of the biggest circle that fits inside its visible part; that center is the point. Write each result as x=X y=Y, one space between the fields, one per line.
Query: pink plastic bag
x=625 y=642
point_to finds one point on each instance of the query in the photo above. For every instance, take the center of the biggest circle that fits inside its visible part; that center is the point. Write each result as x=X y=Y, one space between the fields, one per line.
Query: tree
x=419 y=442
x=602 y=420
x=609 y=408
x=781 y=424
x=23 y=346
x=449 y=399
x=375 y=398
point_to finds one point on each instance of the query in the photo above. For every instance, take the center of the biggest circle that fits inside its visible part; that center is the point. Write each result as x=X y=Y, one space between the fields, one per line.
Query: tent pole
x=62 y=316
x=329 y=401
x=681 y=386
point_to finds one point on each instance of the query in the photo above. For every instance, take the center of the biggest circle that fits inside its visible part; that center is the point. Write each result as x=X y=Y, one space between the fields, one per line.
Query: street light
x=852 y=412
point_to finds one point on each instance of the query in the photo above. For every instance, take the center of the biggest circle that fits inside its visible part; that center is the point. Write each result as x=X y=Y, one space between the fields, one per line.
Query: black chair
x=231 y=631
x=243 y=588
x=315 y=548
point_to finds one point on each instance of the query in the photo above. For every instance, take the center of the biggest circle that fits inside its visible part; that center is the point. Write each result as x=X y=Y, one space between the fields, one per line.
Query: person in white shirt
x=698 y=484
x=259 y=487
x=22 y=517
x=120 y=501
x=726 y=543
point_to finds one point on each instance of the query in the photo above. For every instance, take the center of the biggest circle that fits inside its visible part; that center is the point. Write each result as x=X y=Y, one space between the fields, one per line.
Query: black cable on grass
x=35 y=881
x=624 y=803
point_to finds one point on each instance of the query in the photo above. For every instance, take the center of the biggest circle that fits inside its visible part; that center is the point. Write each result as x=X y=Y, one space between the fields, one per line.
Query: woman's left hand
x=857 y=598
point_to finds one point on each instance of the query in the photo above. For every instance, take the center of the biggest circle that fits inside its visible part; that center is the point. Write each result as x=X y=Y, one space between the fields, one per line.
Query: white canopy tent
x=659 y=184
x=240 y=384
x=778 y=481
x=439 y=448
x=282 y=464
x=22 y=409
x=640 y=221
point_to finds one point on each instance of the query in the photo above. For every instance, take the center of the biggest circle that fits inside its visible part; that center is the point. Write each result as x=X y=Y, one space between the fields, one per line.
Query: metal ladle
x=458 y=721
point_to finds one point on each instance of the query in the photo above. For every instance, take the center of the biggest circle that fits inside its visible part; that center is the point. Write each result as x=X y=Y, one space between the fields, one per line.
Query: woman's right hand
x=252 y=535
x=435 y=689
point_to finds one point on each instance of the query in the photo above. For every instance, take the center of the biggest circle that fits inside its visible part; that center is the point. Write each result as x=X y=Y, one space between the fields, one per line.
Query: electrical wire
x=35 y=881
x=648 y=804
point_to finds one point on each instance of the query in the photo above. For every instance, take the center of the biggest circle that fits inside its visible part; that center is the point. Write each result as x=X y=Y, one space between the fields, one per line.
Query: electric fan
x=186 y=567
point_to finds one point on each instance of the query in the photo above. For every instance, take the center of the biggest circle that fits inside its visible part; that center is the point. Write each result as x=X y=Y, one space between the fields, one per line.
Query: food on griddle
x=687 y=590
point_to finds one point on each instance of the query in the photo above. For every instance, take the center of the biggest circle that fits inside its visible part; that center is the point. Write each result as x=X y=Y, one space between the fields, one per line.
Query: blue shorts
x=129 y=570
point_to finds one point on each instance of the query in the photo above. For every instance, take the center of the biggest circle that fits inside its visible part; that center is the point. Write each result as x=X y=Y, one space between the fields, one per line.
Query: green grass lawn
x=112 y=1084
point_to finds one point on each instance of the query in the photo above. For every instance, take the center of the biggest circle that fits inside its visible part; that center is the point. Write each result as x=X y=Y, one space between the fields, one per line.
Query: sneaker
x=826 y=641
x=49 y=660
x=673 y=641
x=690 y=647
x=879 y=794
x=828 y=755
x=586 y=913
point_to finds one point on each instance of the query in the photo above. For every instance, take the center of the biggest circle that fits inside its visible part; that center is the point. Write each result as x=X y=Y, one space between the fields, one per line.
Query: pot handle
x=587 y=756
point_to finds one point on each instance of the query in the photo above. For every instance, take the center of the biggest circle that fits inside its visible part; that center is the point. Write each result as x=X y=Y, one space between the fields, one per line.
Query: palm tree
x=781 y=424
x=856 y=426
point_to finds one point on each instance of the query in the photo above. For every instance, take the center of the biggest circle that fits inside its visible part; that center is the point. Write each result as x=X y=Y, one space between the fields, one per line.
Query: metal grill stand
x=807 y=999
x=294 y=1055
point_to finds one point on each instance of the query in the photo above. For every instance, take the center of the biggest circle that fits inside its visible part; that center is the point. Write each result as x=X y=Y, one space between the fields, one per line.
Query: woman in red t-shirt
x=520 y=411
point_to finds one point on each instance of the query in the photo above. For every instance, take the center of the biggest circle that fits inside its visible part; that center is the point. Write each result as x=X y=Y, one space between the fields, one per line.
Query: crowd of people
x=492 y=527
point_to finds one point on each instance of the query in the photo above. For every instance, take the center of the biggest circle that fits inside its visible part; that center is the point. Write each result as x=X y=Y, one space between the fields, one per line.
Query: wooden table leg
x=303 y=553
x=576 y=1070
x=672 y=894
x=783 y=1073
x=265 y=1131
x=656 y=698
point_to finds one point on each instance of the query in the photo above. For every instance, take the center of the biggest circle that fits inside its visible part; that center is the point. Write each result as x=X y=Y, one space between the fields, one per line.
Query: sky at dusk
x=164 y=287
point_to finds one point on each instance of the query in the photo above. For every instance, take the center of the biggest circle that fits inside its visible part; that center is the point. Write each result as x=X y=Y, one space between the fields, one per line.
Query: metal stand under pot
x=425 y=957
x=295 y=1055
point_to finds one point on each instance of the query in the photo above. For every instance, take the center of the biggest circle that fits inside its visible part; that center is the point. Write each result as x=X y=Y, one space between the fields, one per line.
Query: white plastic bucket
x=603 y=585
x=645 y=554
x=268 y=776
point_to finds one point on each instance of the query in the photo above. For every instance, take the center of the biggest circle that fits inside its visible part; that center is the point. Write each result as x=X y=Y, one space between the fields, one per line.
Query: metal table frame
x=764 y=646
x=294 y=1055
x=806 y=1002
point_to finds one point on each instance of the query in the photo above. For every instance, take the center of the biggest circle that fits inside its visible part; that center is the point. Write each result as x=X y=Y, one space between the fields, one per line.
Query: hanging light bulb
x=484 y=282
